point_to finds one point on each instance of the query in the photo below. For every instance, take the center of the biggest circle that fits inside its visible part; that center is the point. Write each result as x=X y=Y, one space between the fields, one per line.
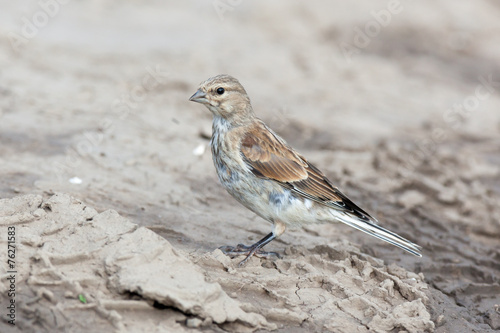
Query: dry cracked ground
x=107 y=178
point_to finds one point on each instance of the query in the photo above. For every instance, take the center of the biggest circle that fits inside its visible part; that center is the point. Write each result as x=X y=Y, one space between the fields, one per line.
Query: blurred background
x=397 y=101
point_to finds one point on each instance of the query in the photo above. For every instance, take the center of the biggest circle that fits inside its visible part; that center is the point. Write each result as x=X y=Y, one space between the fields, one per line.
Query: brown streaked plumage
x=260 y=170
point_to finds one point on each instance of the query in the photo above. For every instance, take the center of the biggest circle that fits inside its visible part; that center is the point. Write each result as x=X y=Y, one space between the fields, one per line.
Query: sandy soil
x=107 y=177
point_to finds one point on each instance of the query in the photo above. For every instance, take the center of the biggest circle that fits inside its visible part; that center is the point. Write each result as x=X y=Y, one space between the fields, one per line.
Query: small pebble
x=194 y=322
x=75 y=180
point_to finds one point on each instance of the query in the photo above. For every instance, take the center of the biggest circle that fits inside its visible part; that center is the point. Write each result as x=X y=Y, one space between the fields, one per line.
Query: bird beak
x=199 y=97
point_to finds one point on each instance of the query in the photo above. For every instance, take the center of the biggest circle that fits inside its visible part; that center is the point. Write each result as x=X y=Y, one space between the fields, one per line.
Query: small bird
x=262 y=172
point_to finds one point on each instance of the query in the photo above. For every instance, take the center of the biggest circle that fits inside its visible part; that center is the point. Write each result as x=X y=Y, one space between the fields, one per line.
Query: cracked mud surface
x=139 y=236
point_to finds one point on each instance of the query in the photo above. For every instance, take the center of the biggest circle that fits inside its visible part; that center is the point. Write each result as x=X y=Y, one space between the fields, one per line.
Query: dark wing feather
x=270 y=157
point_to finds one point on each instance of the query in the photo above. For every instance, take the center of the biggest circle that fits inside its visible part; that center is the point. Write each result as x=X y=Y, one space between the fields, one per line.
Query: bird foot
x=249 y=251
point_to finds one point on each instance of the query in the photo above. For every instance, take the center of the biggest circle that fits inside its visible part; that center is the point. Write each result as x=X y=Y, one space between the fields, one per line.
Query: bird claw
x=249 y=251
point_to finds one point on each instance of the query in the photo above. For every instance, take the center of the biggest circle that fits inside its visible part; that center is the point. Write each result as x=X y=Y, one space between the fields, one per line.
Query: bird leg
x=249 y=251
x=255 y=249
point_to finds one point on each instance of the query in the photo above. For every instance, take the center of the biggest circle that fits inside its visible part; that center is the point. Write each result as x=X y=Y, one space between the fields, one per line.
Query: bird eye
x=220 y=91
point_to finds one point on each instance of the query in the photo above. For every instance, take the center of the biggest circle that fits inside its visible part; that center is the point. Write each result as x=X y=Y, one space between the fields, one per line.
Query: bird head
x=225 y=97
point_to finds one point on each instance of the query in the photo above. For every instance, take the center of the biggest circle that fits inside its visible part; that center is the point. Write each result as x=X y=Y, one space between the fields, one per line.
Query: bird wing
x=270 y=157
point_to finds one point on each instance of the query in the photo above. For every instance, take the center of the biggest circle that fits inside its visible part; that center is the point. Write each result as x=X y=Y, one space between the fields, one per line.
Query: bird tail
x=377 y=231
